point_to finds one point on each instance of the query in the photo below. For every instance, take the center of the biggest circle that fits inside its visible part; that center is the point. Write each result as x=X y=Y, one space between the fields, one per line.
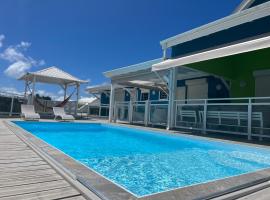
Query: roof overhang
x=52 y=75
x=97 y=89
x=230 y=21
x=131 y=69
x=248 y=46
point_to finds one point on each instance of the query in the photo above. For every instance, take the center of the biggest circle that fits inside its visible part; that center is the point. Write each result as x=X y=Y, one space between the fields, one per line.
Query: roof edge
x=230 y=21
x=131 y=68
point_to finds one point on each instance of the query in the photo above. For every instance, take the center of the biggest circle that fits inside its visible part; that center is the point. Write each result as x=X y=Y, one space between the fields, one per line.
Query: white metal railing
x=142 y=112
x=121 y=111
x=100 y=111
x=243 y=116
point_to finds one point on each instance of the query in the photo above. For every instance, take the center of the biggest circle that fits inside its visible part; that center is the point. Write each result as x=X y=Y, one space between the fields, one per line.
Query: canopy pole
x=25 y=89
x=171 y=105
x=65 y=91
x=112 y=103
x=77 y=97
x=33 y=90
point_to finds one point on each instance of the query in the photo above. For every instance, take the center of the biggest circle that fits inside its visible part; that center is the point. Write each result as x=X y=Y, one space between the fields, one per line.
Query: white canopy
x=248 y=46
x=52 y=75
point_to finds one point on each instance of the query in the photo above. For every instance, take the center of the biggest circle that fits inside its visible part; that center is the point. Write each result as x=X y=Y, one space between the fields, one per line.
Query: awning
x=97 y=89
x=52 y=75
x=248 y=46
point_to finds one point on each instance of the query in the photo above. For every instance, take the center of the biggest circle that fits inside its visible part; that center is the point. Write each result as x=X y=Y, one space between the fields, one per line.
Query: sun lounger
x=28 y=112
x=60 y=113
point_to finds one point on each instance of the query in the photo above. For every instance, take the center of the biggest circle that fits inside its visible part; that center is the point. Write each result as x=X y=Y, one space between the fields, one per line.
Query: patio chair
x=28 y=112
x=60 y=113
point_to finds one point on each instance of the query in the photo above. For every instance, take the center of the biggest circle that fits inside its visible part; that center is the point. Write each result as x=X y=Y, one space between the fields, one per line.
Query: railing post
x=11 y=106
x=146 y=113
x=204 y=116
x=130 y=112
x=115 y=113
x=99 y=111
x=249 y=119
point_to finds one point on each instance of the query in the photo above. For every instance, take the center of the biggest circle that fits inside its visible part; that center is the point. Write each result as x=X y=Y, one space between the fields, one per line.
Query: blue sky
x=88 y=37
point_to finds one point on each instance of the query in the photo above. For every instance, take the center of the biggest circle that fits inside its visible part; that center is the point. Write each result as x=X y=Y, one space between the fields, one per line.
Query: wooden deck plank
x=23 y=164
x=21 y=160
x=62 y=193
x=27 y=173
x=28 y=168
x=36 y=187
x=15 y=178
x=13 y=183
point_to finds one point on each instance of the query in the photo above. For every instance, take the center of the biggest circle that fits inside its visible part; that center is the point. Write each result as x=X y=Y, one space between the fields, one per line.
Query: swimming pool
x=146 y=162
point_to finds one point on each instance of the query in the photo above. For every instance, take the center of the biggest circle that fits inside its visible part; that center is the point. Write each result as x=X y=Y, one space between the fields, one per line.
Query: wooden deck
x=25 y=175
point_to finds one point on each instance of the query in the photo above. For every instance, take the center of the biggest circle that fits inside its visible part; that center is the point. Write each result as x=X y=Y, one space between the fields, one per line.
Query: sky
x=88 y=37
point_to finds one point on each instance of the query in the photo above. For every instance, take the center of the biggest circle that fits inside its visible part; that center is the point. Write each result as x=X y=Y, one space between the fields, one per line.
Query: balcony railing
x=242 y=116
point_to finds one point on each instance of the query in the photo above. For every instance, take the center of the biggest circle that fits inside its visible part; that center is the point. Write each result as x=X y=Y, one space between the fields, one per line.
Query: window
x=144 y=96
x=162 y=95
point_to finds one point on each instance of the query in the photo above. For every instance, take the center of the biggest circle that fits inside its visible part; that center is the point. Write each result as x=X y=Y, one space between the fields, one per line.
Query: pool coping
x=106 y=189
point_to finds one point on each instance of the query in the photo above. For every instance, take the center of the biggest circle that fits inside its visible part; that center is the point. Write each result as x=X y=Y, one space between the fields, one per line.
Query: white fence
x=100 y=111
x=142 y=112
x=242 y=116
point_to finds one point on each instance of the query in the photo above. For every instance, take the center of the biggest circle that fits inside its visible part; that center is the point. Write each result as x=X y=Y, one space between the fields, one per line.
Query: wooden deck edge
x=66 y=174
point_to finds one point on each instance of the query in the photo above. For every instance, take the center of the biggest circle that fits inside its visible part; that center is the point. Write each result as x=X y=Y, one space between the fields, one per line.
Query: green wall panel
x=238 y=69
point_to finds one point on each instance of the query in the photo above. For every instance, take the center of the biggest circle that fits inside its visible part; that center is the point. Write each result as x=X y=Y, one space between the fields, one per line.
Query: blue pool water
x=146 y=162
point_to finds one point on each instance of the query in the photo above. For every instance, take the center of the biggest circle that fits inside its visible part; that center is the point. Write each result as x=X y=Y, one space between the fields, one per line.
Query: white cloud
x=2 y=37
x=60 y=92
x=17 y=69
x=19 y=62
x=12 y=90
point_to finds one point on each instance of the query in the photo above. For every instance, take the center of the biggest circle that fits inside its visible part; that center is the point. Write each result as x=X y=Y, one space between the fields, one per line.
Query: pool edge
x=110 y=190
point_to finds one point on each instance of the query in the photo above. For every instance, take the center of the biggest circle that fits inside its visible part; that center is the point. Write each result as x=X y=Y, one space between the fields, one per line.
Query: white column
x=171 y=105
x=130 y=111
x=164 y=53
x=111 y=109
x=65 y=91
x=146 y=113
x=77 y=98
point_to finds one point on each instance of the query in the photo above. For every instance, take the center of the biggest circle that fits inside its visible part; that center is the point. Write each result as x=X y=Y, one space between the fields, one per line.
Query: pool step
x=244 y=194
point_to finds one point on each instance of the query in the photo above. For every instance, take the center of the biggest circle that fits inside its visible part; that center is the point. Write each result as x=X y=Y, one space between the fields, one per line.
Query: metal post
x=65 y=91
x=249 y=119
x=164 y=53
x=171 y=105
x=77 y=98
x=25 y=91
x=11 y=106
x=88 y=109
x=130 y=112
x=204 y=116
x=146 y=113
x=112 y=103
x=99 y=111
x=33 y=90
